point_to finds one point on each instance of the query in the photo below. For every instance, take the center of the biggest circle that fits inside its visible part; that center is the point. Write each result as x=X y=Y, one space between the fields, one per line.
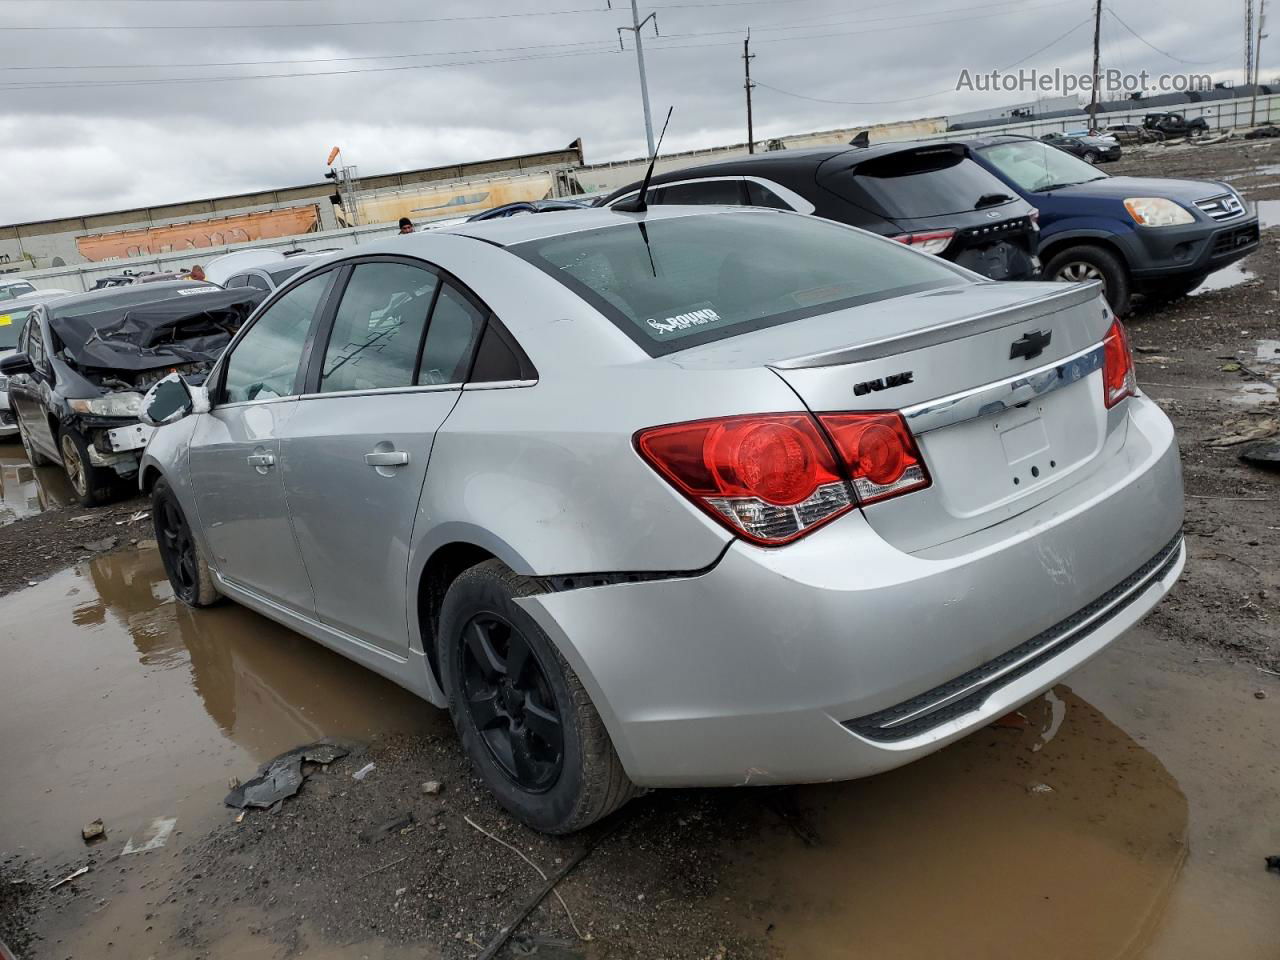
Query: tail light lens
x=934 y=242
x=773 y=478
x=1118 y=377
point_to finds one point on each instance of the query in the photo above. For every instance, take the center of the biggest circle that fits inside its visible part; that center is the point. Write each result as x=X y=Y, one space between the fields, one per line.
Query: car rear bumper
x=840 y=656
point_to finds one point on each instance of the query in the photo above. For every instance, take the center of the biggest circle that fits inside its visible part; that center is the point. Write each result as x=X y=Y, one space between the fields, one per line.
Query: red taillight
x=1118 y=377
x=933 y=242
x=773 y=477
x=879 y=453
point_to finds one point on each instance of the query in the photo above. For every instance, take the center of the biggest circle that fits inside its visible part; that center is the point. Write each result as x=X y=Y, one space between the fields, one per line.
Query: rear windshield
x=674 y=283
x=11 y=322
x=929 y=183
x=11 y=291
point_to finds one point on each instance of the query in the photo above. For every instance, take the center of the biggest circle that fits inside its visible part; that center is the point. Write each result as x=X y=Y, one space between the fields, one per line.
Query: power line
x=465 y=18
x=604 y=44
x=1163 y=53
x=925 y=96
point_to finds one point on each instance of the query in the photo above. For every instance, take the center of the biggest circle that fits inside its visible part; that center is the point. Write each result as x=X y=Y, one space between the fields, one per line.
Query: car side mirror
x=15 y=364
x=171 y=399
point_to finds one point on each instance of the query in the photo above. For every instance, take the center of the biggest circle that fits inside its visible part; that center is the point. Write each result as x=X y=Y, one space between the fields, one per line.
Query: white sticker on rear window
x=190 y=290
x=684 y=321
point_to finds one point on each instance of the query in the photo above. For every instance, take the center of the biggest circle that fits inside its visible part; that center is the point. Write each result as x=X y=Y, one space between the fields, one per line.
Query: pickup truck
x=1175 y=125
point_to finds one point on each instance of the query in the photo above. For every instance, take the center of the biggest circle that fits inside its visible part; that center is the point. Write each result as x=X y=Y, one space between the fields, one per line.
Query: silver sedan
x=686 y=497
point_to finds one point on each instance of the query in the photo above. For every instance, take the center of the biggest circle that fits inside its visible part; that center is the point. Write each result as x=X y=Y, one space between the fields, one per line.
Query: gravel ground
x=312 y=873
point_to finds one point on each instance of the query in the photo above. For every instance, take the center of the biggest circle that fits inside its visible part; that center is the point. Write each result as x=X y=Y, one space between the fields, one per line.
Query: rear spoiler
x=1071 y=295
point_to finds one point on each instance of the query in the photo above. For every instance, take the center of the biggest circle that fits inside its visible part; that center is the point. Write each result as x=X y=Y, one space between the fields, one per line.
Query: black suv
x=930 y=195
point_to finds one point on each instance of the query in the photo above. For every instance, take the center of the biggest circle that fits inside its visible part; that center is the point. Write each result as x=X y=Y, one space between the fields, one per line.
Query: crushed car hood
x=192 y=328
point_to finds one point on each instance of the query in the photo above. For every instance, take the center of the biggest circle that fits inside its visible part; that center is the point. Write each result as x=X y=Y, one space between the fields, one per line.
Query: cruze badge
x=883 y=383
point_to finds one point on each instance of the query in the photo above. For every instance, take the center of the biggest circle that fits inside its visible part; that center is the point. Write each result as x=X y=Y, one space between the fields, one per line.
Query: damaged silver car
x=83 y=363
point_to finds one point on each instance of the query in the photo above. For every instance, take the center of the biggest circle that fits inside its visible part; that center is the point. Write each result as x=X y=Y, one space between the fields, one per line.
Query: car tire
x=34 y=457
x=91 y=485
x=523 y=716
x=1090 y=157
x=1090 y=262
x=180 y=552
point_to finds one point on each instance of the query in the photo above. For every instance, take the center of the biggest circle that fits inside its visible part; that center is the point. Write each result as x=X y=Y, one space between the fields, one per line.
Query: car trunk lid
x=999 y=383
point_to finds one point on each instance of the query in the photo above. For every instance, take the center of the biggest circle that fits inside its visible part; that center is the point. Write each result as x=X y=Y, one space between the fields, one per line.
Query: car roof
x=512 y=230
x=160 y=290
x=33 y=299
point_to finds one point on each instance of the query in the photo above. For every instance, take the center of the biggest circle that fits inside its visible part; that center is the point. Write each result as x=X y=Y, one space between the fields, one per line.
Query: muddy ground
x=1125 y=814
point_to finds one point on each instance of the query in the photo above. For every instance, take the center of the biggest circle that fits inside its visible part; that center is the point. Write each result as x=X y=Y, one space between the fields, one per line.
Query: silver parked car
x=697 y=496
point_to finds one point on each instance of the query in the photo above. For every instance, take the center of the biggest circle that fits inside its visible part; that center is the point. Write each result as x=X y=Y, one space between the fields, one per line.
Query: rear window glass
x=19 y=288
x=927 y=183
x=675 y=283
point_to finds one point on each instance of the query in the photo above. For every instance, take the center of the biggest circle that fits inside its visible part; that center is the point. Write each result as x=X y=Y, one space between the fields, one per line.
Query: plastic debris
x=1039 y=788
x=1264 y=454
x=402 y=823
x=99 y=546
x=364 y=771
x=282 y=777
x=161 y=830
x=93 y=831
x=432 y=787
x=71 y=876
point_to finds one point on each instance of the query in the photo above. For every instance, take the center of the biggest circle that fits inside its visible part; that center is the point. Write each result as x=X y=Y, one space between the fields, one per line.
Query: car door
x=27 y=391
x=355 y=454
x=235 y=448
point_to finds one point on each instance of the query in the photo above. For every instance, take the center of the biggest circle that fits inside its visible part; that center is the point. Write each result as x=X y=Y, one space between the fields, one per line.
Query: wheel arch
x=1054 y=245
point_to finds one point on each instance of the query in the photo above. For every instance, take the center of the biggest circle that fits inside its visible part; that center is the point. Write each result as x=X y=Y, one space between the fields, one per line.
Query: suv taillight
x=1118 y=377
x=933 y=242
x=772 y=478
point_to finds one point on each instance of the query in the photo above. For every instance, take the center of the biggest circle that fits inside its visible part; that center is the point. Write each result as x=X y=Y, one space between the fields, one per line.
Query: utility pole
x=1248 y=41
x=636 y=24
x=747 y=57
x=1097 y=77
x=1257 y=64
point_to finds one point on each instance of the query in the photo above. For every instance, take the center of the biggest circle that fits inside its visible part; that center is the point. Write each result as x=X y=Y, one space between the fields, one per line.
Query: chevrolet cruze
x=685 y=496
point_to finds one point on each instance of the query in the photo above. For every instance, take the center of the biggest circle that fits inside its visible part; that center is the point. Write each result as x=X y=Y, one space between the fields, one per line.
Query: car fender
x=1091 y=229
x=166 y=455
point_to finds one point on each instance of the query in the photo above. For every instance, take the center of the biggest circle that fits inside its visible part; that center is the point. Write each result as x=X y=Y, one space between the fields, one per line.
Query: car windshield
x=1036 y=167
x=11 y=291
x=674 y=283
x=11 y=322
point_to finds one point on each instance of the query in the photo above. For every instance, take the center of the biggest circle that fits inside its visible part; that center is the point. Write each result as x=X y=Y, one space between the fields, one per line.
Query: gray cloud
x=105 y=145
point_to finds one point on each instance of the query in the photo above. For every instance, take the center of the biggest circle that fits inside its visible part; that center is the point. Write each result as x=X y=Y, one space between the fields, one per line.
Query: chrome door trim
x=378 y=391
x=1003 y=395
x=499 y=385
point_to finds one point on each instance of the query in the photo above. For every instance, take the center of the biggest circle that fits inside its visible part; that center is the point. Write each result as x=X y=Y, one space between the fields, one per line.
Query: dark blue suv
x=1156 y=237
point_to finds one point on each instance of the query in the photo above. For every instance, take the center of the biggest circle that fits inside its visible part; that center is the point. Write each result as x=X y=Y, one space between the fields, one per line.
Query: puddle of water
x=965 y=853
x=1268 y=213
x=1229 y=276
x=118 y=702
x=26 y=490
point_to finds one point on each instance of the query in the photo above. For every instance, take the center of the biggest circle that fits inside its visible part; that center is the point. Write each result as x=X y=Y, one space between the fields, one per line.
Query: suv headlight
x=114 y=405
x=1157 y=212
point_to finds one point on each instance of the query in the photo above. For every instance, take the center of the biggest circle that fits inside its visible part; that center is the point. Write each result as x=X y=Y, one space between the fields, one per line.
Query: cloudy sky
x=107 y=104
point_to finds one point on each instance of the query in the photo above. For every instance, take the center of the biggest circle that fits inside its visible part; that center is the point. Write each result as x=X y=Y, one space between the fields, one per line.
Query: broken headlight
x=113 y=405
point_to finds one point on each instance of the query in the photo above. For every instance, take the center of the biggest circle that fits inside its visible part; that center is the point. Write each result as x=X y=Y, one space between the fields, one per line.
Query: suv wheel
x=522 y=714
x=1089 y=262
x=1090 y=157
x=183 y=559
x=92 y=485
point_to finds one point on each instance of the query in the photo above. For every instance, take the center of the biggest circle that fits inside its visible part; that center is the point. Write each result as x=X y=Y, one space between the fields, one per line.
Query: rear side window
x=673 y=283
x=11 y=322
x=378 y=327
x=762 y=196
x=253 y=280
x=703 y=191
x=455 y=328
x=925 y=183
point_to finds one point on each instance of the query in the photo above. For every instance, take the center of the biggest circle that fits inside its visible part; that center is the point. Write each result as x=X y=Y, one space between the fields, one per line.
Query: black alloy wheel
x=508 y=696
x=177 y=550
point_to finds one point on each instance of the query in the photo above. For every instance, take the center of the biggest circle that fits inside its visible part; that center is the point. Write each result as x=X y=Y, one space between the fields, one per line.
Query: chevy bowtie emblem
x=1030 y=345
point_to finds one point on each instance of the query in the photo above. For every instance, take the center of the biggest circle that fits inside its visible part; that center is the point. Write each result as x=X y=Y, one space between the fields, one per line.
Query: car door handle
x=386 y=458
x=262 y=459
